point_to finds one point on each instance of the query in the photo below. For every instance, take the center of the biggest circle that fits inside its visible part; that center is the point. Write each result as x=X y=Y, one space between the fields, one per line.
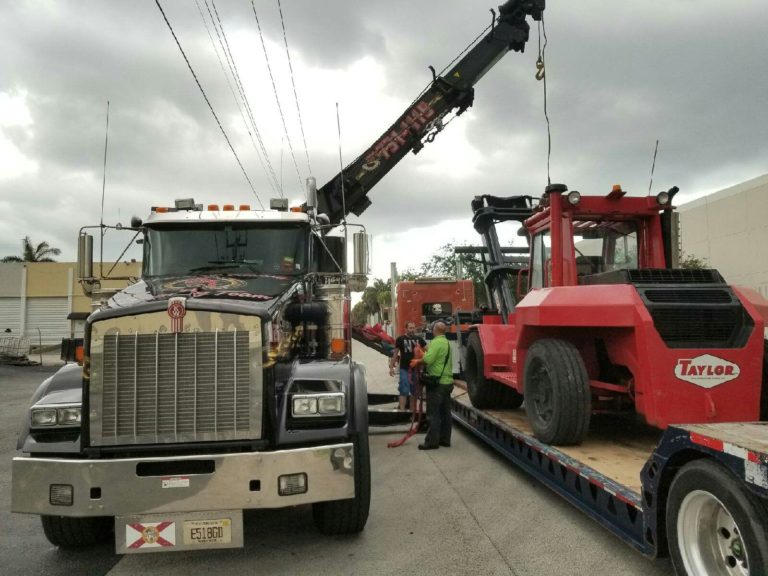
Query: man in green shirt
x=438 y=364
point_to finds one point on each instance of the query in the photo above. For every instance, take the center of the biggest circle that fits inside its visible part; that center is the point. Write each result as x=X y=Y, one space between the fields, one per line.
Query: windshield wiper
x=224 y=265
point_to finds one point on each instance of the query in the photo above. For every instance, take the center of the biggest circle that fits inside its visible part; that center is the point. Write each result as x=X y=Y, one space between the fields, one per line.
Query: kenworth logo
x=706 y=370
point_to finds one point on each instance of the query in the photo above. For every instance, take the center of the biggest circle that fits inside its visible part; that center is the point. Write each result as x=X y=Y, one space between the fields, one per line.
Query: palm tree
x=31 y=253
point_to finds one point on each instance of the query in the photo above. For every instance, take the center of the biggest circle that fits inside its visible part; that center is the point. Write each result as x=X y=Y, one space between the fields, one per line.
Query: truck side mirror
x=522 y=285
x=85 y=256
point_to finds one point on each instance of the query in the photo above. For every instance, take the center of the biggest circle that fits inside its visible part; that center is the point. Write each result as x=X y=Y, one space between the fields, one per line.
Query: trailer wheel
x=67 y=532
x=557 y=395
x=349 y=516
x=714 y=526
x=484 y=393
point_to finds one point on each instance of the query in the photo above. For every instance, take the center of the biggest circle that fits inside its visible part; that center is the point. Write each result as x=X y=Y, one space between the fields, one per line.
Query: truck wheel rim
x=710 y=541
x=542 y=394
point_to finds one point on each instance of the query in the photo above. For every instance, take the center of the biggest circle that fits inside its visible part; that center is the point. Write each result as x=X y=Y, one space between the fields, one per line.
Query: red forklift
x=602 y=322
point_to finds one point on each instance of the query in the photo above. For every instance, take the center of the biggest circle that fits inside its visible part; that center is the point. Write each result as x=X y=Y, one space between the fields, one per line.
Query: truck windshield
x=226 y=249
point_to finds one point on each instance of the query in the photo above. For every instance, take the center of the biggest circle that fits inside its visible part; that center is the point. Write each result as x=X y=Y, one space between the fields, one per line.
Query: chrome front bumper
x=119 y=487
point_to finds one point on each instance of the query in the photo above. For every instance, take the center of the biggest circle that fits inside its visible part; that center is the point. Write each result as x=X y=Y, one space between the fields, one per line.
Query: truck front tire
x=558 y=401
x=349 y=516
x=484 y=393
x=714 y=525
x=67 y=532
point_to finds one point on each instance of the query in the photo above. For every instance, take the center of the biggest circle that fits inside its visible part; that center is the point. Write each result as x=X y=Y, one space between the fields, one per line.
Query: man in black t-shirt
x=404 y=347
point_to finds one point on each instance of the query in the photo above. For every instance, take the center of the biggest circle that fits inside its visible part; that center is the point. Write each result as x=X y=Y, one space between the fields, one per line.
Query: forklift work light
x=574 y=198
x=662 y=198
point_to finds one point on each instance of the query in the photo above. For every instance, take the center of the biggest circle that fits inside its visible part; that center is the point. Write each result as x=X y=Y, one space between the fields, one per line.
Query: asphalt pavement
x=458 y=510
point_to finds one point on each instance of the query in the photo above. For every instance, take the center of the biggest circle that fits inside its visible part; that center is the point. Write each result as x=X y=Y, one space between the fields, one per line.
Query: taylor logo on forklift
x=706 y=370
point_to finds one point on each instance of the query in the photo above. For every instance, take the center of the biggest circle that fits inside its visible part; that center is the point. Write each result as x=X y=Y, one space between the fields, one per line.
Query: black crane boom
x=424 y=118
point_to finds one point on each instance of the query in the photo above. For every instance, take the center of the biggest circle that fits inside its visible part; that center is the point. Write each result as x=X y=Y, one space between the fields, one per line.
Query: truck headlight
x=318 y=404
x=43 y=417
x=331 y=404
x=304 y=405
x=69 y=416
x=50 y=416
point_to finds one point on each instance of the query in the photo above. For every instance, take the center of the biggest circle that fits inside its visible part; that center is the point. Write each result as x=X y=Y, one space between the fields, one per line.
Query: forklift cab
x=597 y=235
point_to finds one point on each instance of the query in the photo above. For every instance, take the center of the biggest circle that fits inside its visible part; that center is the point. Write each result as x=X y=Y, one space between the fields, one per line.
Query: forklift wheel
x=484 y=393
x=557 y=395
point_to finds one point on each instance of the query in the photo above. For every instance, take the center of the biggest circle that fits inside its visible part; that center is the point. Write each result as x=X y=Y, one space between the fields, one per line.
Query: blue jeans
x=405 y=386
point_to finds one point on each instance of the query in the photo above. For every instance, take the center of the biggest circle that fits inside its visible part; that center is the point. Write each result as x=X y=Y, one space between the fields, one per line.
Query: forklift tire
x=484 y=393
x=66 y=532
x=349 y=516
x=714 y=525
x=557 y=395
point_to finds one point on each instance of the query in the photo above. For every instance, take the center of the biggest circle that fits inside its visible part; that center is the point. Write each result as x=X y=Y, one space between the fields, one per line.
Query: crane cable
x=277 y=98
x=262 y=156
x=293 y=83
x=542 y=76
x=238 y=82
x=210 y=106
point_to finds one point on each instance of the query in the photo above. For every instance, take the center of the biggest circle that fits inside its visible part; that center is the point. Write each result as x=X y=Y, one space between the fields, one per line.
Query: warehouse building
x=729 y=231
x=43 y=301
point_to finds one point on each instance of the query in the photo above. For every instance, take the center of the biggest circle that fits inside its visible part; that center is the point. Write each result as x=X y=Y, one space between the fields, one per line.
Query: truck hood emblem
x=706 y=370
x=177 y=309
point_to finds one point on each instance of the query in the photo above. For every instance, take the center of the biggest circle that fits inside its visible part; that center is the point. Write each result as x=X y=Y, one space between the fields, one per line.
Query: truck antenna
x=653 y=166
x=103 y=189
x=343 y=195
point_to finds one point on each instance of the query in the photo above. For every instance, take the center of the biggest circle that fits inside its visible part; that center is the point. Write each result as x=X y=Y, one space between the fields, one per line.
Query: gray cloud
x=620 y=75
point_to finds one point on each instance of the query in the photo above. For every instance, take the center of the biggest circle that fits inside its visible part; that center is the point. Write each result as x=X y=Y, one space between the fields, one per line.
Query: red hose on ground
x=415 y=415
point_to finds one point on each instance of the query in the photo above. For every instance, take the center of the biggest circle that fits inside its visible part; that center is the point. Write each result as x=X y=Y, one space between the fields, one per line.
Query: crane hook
x=540 y=69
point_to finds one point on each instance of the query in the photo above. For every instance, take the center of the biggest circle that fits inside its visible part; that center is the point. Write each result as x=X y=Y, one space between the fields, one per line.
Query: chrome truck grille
x=163 y=387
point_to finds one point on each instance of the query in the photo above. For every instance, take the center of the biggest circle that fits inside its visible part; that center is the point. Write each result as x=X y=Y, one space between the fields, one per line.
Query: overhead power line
x=207 y=101
x=293 y=83
x=253 y=128
x=277 y=98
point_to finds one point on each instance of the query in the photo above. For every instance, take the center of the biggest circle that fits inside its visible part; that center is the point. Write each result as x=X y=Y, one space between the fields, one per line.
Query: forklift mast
x=487 y=212
x=423 y=119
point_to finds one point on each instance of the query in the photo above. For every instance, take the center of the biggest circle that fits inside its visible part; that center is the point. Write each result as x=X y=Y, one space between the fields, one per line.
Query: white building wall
x=729 y=229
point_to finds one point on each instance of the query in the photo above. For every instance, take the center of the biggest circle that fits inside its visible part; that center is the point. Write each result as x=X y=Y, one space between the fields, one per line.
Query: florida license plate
x=217 y=531
x=179 y=531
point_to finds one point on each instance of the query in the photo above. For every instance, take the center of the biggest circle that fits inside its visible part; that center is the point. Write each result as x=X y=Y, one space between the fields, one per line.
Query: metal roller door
x=50 y=316
x=10 y=316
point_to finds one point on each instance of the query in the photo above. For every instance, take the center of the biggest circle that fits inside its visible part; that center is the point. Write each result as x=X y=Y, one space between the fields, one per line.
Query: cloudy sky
x=691 y=73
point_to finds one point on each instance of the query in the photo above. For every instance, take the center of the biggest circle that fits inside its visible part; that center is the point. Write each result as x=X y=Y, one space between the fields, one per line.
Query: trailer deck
x=616 y=447
x=621 y=473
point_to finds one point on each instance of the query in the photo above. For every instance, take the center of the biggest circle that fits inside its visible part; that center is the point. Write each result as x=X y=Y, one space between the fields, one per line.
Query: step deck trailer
x=627 y=484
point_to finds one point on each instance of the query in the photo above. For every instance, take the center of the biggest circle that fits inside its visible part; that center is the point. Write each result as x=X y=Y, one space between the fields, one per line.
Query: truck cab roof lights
x=185 y=204
x=280 y=204
x=228 y=207
x=160 y=209
x=245 y=206
x=213 y=207
x=297 y=209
